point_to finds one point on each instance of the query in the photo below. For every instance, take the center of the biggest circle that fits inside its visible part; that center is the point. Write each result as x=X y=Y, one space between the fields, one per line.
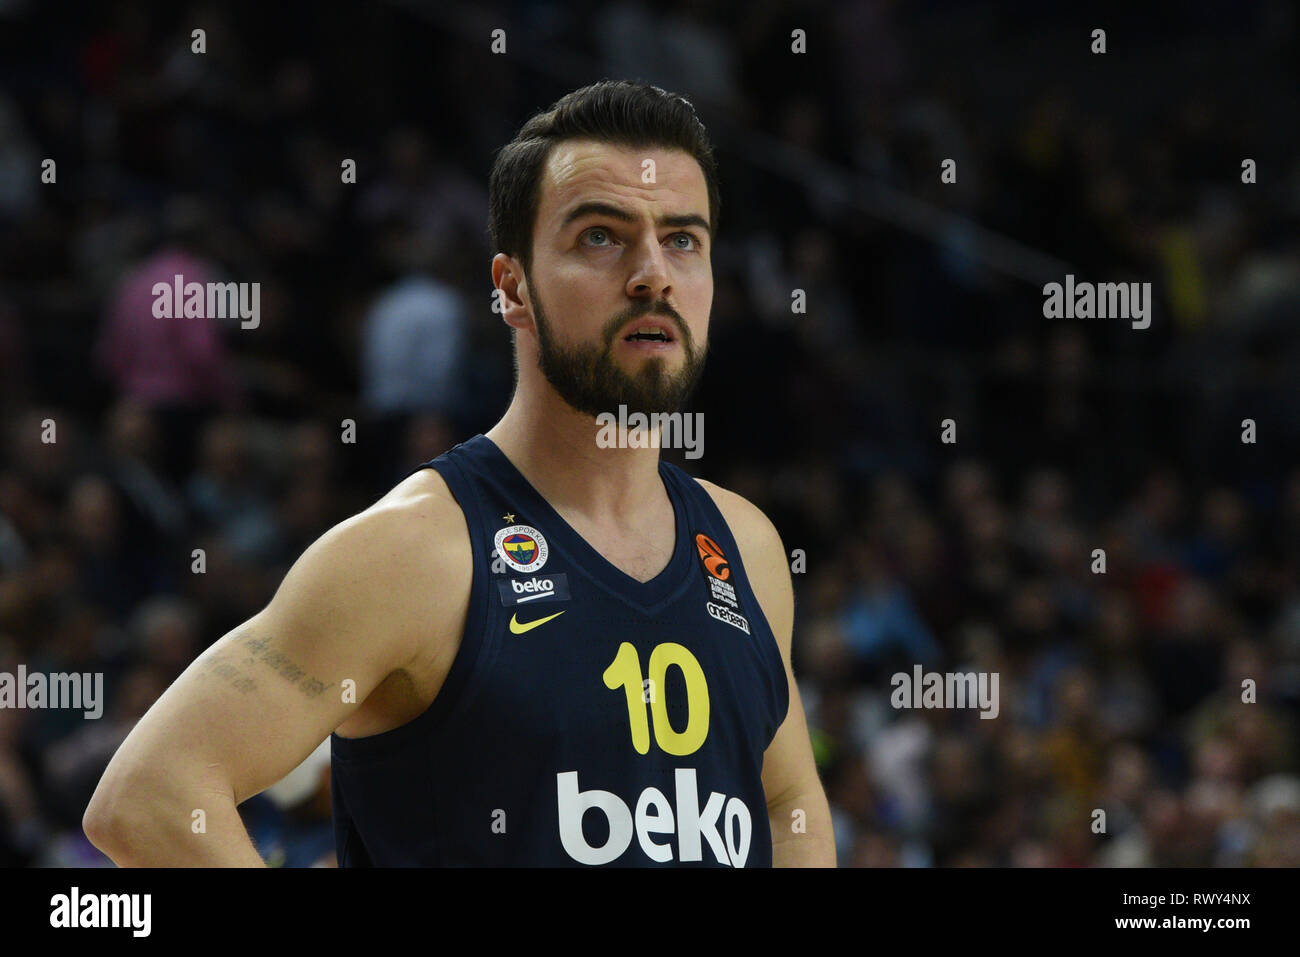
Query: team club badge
x=522 y=547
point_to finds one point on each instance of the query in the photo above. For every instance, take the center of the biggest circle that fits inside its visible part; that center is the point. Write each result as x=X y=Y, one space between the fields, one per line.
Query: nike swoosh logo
x=518 y=628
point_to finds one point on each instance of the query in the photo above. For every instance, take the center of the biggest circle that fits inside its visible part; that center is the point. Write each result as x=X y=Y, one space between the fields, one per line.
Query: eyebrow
x=597 y=208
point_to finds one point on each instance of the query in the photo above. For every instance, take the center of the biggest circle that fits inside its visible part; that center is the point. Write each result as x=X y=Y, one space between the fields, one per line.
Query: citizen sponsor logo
x=723 y=824
x=518 y=591
x=102 y=910
x=730 y=617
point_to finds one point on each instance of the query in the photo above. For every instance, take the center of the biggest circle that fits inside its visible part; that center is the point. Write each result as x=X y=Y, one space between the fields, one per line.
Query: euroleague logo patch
x=725 y=606
x=715 y=563
x=522 y=547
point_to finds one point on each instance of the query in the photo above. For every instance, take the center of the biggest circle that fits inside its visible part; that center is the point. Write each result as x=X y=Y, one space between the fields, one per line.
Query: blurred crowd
x=157 y=478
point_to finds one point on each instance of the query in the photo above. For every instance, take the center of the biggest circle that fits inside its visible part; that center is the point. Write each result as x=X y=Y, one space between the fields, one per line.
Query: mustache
x=660 y=308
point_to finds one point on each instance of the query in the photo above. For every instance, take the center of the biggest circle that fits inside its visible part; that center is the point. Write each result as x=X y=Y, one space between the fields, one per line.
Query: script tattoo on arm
x=231 y=675
x=258 y=648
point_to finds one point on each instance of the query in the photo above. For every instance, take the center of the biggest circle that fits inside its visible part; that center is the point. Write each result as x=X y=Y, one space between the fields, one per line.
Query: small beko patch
x=528 y=591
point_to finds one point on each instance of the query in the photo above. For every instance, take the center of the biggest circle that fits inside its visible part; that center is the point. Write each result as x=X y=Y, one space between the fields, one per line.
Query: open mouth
x=647 y=335
x=650 y=331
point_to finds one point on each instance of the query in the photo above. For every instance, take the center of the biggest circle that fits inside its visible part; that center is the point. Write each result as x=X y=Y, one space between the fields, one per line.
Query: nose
x=649 y=276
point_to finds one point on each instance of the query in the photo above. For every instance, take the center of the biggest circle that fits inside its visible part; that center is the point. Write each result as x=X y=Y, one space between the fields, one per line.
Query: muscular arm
x=255 y=704
x=797 y=808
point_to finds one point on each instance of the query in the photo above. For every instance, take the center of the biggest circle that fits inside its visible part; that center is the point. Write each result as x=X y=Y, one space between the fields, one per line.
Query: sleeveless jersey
x=587 y=718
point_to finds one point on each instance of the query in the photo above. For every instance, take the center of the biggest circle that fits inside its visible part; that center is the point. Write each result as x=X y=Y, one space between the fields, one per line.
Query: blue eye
x=601 y=230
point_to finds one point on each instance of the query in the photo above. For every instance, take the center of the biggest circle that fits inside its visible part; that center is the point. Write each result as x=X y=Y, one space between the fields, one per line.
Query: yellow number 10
x=625 y=672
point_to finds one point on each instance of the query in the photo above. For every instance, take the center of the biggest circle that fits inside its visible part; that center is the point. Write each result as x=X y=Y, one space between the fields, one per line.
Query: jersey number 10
x=625 y=672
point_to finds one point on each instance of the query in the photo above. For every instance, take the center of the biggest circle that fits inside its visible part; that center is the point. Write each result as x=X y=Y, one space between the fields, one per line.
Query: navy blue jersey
x=588 y=718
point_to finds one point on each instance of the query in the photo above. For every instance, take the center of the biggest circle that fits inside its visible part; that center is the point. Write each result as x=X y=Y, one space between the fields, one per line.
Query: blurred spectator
x=414 y=345
x=227 y=491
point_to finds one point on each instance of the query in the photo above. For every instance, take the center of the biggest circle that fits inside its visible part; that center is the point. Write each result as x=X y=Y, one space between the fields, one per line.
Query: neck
x=554 y=447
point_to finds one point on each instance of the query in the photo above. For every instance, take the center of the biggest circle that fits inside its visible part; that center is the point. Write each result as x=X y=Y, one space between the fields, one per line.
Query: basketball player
x=536 y=649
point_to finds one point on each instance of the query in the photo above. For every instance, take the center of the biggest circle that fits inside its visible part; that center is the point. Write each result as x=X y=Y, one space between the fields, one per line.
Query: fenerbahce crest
x=521 y=547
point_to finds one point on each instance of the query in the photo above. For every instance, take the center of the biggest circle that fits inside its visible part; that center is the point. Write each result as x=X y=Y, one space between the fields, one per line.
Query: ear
x=512 y=298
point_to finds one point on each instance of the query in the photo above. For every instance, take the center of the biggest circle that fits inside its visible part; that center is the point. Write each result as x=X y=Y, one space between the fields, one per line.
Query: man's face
x=615 y=255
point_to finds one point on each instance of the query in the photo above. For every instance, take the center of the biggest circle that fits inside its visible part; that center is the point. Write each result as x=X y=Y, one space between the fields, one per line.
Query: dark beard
x=588 y=378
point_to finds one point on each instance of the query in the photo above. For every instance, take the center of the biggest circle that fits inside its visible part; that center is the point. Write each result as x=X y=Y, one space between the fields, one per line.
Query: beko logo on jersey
x=518 y=591
x=655 y=815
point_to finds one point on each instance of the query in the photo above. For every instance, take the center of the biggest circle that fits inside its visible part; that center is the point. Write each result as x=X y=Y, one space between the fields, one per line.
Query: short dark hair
x=624 y=113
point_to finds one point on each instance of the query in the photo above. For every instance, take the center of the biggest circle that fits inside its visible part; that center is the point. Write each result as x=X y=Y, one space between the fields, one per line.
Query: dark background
x=1118 y=691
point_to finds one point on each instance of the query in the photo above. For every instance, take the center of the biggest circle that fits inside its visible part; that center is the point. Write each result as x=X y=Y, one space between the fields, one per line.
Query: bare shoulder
x=752 y=529
x=419 y=532
x=416 y=522
x=389 y=571
x=419 y=501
